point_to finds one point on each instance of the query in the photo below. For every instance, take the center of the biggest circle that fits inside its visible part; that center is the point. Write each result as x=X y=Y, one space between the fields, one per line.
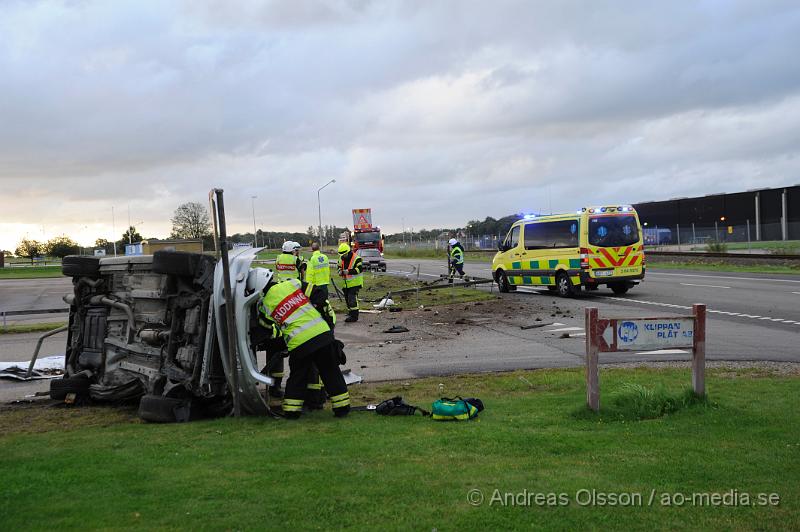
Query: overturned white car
x=152 y=329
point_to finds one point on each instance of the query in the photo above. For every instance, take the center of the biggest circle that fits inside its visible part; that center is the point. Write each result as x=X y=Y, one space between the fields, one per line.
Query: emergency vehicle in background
x=365 y=235
x=593 y=247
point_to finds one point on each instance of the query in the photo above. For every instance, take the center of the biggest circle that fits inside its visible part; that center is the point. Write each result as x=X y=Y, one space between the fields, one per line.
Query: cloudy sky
x=431 y=113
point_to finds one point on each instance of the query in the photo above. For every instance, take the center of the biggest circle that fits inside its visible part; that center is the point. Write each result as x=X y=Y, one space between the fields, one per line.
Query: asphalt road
x=29 y=294
x=750 y=316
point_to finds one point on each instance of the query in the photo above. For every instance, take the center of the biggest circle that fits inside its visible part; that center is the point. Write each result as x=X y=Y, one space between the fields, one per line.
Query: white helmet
x=258 y=279
x=452 y=241
x=296 y=246
x=287 y=246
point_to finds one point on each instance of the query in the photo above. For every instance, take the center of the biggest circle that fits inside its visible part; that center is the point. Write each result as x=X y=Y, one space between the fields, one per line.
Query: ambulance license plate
x=603 y=273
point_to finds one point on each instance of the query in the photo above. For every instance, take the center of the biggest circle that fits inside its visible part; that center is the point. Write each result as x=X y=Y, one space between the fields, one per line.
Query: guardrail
x=759 y=256
x=5 y=313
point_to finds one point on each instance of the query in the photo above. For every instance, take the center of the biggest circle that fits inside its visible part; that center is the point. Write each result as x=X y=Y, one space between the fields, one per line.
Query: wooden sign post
x=639 y=334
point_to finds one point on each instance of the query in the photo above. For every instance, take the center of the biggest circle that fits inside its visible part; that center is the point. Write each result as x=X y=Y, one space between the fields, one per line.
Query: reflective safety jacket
x=286 y=267
x=457 y=254
x=350 y=269
x=287 y=311
x=318 y=272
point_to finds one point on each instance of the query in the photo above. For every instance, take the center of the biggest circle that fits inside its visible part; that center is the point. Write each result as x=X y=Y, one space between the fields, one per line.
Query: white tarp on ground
x=45 y=368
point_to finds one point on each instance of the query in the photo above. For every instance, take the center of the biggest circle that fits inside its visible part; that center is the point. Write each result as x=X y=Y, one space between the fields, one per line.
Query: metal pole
x=716 y=231
x=785 y=217
x=758 y=216
x=748 y=236
x=113 y=231
x=319 y=211
x=678 y=232
x=255 y=238
x=694 y=238
x=233 y=359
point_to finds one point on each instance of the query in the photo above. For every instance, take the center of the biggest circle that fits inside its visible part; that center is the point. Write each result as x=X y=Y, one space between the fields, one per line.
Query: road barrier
x=605 y=335
x=5 y=313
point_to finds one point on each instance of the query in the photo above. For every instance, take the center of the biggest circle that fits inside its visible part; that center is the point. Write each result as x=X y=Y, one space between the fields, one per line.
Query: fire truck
x=365 y=235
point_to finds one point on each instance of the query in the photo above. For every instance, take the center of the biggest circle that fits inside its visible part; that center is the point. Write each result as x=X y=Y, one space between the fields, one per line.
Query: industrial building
x=763 y=214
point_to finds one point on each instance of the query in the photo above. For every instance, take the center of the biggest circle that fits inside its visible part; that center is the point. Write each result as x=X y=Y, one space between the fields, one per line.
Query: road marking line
x=663 y=352
x=724 y=277
x=765 y=318
x=705 y=285
x=578 y=334
x=564 y=329
x=798 y=293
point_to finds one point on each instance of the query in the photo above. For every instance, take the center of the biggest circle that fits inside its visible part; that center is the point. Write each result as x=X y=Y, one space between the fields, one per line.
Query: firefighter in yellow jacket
x=286 y=311
x=351 y=271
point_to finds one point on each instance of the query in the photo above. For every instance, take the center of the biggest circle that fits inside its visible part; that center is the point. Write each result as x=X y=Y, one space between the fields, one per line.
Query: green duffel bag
x=457 y=409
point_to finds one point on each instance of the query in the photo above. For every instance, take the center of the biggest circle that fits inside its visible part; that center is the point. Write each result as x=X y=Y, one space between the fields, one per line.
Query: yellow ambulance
x=592 y=247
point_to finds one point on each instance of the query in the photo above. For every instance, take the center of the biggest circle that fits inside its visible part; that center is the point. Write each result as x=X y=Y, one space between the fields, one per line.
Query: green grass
x=376 y=286
x=768 y=245
x=90 y=468
x=33 y=272
x=469 y=256
x=31 y=327
x=723 y=267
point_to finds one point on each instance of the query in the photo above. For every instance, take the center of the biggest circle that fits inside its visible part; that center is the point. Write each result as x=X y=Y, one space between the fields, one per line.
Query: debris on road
x=396 y=329
x=45 y=368
x=352 y=378
x=385 y=302
x=535 y=325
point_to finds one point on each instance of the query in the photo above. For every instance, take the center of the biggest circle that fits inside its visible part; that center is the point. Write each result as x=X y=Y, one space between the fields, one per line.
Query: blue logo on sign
x=573 y=228
x=626 y=229
x=602 y=231
x=627 y=332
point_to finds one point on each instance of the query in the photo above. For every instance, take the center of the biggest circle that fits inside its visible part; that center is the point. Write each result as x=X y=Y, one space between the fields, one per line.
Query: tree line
x=192 y=221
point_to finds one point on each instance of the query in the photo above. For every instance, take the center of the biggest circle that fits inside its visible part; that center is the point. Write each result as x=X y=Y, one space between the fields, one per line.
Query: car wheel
x=181 y=263
x=160 y=409
x=564 y=285
x=77 y=266
x=502 y=282
x=59 y=388
x=619 y=288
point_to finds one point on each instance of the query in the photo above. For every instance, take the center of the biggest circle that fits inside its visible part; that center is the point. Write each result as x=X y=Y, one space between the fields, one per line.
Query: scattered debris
x=564 y=335
x=351 y=378
x=395 y=309
x=44 y=368
x=526 y=381
x=462 y=321
x=385 y=302
x=535 y=325
x=396 y=329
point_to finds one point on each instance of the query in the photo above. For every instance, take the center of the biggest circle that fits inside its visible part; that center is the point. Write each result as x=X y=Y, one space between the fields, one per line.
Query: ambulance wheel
x=619 y=288
x=564 y=285
x=502 y=282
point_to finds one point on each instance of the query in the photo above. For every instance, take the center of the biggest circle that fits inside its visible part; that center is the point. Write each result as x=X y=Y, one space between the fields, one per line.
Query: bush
x=636 y=401
x=715 y=246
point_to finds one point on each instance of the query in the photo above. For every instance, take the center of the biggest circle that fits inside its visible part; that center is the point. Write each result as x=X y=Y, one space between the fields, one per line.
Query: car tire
x=502 y=282
x=78 y=266
x=160 y=409
x=181 y=263
x=564 y=285
x=619 y=288
x=59 y=388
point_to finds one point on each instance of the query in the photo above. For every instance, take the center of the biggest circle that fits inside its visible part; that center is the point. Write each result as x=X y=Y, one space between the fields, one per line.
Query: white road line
x=765 y=318
x=649 y=273
x=798 y=293
x=705 y=285
x=578 y=334
x=564 y=329
x=664 y=352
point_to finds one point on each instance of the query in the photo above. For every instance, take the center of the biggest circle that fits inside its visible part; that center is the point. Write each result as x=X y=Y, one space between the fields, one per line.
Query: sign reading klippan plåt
x=604 y=335
x=646 y=333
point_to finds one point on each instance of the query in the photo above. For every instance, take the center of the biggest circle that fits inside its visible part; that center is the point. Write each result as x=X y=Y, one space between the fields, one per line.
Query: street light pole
x=255 y=238
x=319 y=209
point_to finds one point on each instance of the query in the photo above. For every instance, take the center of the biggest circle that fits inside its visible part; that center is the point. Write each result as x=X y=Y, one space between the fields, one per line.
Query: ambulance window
x=544 y=235
x=613 y=231
x=512 y=239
